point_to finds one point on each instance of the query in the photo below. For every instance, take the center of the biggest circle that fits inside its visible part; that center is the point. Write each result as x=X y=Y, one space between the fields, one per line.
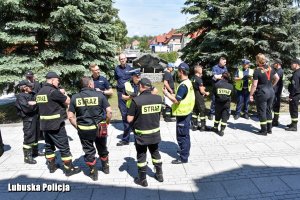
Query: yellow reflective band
x=262 y=123
x=149 y=109
x=202 y=117
x=42 y=99
x=142 y=164
x=216 y=121
x=47 y=117
x=26 y=146
x=294 y=119
x=276 y=113
x=34 y=144
x=269 y=121
x=89 y=101
x=223 y=123
x=147 y=131
x=168 y=113
x=92 y=127
x=66 y=158
x=194 y=116
x=156 y=161
x=50 y=156
x=223 y=91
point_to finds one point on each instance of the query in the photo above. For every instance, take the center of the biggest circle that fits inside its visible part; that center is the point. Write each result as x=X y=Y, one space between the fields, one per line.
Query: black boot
x=203 y=126
x=194 y=122
x=292 y=127
x=28 y=156
x=105 y=165
x=158 y=172
x=35 y=151
x=69 y=168
x=263 y=130
x=221 y=132
x=141 y=179
x=93 y=170
x=269 y=128
x=275 y=120
x=51 y=165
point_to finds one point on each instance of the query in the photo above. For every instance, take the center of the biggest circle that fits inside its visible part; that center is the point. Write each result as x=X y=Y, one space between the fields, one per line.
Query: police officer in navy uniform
x=89 y=106
x=243 y=82
x=183 y=104
x=222 y=91
x=100 y=83
x=264 y=78
x=294 y=97
x=122 y=76
x=198 y=116
x=169 y=85
x=217 y=72
x=278 y=90
x=144 y=115
x=27 y=110
x=52 y=101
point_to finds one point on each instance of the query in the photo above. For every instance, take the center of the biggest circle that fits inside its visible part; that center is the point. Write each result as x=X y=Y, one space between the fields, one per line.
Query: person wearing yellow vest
x=183 y=104
x=243 y=81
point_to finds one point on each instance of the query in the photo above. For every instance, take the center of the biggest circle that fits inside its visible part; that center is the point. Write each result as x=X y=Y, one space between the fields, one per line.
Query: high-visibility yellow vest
x=239 y=83
x=186 y=106
x=129 y=90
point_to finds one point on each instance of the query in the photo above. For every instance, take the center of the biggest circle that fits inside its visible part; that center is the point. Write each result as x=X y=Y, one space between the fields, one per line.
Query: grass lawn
x=8 y=113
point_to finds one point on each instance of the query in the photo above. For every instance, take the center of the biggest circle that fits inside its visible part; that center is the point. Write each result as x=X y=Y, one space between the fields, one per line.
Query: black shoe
x=93 y=173
x=105 y=166
x=260 y=132
x=70 y=170
x=194 y=128
x=215 y=130
x=204 y=128
x=275 y=123
x=289 y=125
x=178 y=161
x=28 y=156
x=221 y=133
x=291 y=128
x=246 y=116
x=143 y=182
x=51 y=165
x=122 y=143
x=159 y=177
x=236 y=117
x=269 y=131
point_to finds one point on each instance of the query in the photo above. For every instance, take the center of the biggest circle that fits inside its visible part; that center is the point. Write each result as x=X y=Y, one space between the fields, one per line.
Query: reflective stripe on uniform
x=147 y=131
x=156 y=160
x=26 y=146
x=276 y=113
x=50 y=156
x=92 y=127
x=269 y=121
x=223 y=123
x=66 y=158
x=142 y=164
x=34 y=144
x=216 y=121
x=262 y=123
x=47 y=117
x=294 y=119
x=201 y=118
x=194 y=116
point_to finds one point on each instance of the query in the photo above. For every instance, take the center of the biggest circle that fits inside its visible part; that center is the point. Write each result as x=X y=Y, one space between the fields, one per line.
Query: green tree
x=169 y=57
x=241 y=29
x=64 y=36
x=120 y=33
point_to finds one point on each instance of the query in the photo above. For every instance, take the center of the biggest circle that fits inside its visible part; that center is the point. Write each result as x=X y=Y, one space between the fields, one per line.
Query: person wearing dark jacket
x=27 y=110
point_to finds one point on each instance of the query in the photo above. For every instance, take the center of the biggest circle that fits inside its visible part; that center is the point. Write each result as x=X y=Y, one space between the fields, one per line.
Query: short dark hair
x=222 y=58
x=184 y=72
x=197 y=65
x=85 y=81
x=226 y=76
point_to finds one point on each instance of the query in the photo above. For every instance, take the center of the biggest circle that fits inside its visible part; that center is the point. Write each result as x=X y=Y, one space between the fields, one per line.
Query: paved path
x=240 y=165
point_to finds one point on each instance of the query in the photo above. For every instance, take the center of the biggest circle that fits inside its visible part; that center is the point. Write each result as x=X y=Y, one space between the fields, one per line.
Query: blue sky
x=151 y=17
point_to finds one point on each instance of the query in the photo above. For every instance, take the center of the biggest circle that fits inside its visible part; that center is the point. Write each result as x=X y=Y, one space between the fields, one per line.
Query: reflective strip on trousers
x=47 y=117
x=269 y=121
x=294 y=119
x=26 y=146
x=92 y=127
x=216 y=122
x=276 y=113
x=156 y=161
x=202 y=118
x=142 y=164
x=223 y=123
x=194 y=116
x=262 y=123
x=50 y=156
x=147 y=131
x=66 y=158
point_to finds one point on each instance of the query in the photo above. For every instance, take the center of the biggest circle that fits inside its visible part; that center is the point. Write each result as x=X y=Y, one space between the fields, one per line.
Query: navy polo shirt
x=122 y=75
x=245 y=73
x=218 y=70
x=101 y=83
x=181 y=92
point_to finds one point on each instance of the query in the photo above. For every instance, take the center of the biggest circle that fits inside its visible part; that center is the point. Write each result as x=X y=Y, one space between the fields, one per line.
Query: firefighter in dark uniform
x=278 y=90
x=122 y=76
x=144 y=114
x=130 y=91
x=199 y=108
x=52 y=102
x=90 y=115
x=294 y=97
x=27 y=110
x=222 y=90
x=264 y=78
x=183 y=105
x=169 y=85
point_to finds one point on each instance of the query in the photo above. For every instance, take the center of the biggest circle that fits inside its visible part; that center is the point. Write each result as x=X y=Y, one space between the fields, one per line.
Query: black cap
x=29 y=74
x=184 y=67
x=146 y=82
x=25 y=83
x=51 y=75
x=295 y=61
x=277 y=61
x=134 y=72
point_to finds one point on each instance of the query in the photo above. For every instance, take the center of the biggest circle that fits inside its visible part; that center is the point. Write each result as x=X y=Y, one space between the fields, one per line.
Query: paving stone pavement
x=240 y=165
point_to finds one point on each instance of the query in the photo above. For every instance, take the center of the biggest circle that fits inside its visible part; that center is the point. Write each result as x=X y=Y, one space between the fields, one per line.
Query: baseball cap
x=277 y=61
x=25 y=83
x=245 y=62
x=29 y=74
x=51 y=75
x=295 y=61
x=135 y=72
x=171 y=65
x=146 y=82
x=184 y=67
